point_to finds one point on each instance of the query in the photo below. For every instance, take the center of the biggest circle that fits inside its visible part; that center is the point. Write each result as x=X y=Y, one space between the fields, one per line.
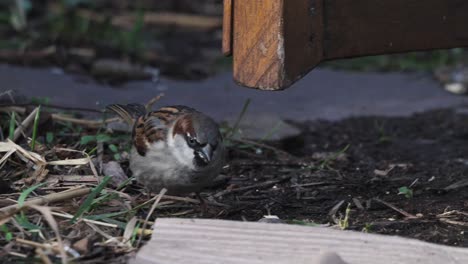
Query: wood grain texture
x=276 y=42
x=227 y=28
x=205 y=241
x=258 y=43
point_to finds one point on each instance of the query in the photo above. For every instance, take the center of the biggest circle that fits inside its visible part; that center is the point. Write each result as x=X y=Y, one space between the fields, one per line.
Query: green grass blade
x=135 y=233
x=87 y=139
x=36 y=124
x=49 y=137
x=271 y=132
x=234 y=128
x=22 y=219
x=12 y=126
x=113 y=148
x=89 y=200
x=27 y=192
x=125 y=183
x=24 y=222
x=8 y=234
x=108 y=215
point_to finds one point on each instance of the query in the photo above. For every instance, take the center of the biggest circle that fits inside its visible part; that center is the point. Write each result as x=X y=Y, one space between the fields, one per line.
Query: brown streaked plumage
x=153 y=126
x=175 y=147
x=183 y=125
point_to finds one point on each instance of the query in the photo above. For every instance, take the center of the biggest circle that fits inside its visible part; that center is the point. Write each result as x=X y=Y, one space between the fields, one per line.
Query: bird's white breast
x=160 y=168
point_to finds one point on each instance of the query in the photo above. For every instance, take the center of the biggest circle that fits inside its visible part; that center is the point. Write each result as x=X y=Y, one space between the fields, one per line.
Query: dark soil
x=359 y=163
x=428 y=153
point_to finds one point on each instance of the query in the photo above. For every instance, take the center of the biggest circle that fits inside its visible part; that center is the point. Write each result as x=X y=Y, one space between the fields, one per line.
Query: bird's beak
x=206 y=153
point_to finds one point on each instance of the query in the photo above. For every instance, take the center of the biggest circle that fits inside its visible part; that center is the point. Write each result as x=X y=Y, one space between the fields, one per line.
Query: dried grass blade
x=10 y=210
x=129 y=231
x=87 y=158
x=6 y=156
x=71 y=162
x=153 y=207
x=26 y=122
x=34 y=157
x=47 y=213
x=69 y=216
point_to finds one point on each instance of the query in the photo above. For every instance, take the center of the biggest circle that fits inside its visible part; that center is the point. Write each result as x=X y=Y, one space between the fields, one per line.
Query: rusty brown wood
x=276 y=42
x=227 y=28
x=258 y=48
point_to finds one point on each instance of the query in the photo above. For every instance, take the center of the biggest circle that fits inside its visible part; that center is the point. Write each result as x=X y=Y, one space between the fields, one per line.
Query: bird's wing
x=128 y=112
x=153 y=126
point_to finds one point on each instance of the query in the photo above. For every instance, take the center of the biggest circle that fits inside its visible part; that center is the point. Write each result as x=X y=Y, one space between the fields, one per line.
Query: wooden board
x=227 y=28
x=205 y=241
x=258 y=48
x=276 y=42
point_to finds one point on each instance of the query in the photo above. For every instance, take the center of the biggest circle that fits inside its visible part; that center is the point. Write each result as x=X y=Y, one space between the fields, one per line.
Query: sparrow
x=175 y=147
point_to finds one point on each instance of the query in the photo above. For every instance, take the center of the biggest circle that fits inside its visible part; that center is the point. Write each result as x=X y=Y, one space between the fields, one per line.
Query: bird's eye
x=192 y=142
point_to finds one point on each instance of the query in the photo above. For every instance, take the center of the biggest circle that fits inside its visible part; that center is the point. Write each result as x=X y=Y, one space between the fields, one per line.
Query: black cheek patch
x=198 y=161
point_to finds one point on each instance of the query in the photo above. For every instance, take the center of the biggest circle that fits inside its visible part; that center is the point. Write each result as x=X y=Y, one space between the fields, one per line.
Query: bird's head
x=197 y=140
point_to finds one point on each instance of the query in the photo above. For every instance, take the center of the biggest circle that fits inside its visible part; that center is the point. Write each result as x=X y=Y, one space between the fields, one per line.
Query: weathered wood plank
x=258 y=48
x=276 y=42
x=217 y=241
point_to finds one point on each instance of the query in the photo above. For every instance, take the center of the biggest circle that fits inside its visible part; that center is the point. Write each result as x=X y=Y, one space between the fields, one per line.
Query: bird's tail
x=128 y=112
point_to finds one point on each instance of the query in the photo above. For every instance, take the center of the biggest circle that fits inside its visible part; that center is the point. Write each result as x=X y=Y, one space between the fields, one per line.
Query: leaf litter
x=61 y=201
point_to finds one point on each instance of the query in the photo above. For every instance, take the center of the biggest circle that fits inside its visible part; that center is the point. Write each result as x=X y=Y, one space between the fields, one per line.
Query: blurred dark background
x=113 y=40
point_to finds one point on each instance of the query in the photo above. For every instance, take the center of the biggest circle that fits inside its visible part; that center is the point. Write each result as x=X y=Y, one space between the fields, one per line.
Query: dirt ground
x=359 y=163
x=364 y=161
x=398 y=176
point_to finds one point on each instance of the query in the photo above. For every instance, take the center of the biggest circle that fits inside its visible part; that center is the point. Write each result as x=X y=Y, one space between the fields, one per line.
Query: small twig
x=453 y=212
x=190 y=200
x=69 y=216
x=181 y=199
x=259 y=185
x=36 y=244
x=453 y=222
x=42 y=255
x=308 y=184
x=16 y=254
x=50 y=198
x=408 y=215
x=258 y=144
x=17 y=109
